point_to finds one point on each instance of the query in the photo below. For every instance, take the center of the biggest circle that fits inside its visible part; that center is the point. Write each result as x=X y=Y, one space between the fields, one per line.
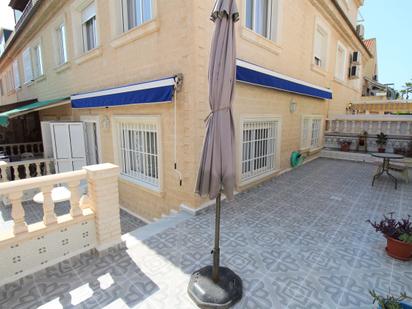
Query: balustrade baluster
x=27 y=170
x=3 y=171
x=48 y=206
x=17 y=212
x=16 y=172
x=38 y=168
x=75 y=209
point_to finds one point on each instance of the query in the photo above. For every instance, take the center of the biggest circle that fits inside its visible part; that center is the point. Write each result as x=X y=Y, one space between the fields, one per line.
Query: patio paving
x=298 y=241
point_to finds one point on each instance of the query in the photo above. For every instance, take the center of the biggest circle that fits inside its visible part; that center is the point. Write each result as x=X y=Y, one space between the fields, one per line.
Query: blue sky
x=390 y=21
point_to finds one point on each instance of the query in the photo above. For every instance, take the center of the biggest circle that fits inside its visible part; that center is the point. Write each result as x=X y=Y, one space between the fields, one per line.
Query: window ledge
x=40 y=78
x=28 y=84
x=62 y=67
x=318 y=69
x=91 y=54
x=136 y=33
x=340 y=81
x=141 y=186
x=260 y=40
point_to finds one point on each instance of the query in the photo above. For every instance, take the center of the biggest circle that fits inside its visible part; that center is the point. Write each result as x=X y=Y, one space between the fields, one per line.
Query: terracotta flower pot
x=344 y=147
x=399 y=249
x=381 y=150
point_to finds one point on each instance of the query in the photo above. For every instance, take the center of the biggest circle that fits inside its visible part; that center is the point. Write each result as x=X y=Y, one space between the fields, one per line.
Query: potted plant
x=345 y=145
x=398 y=234
x=390 y=301
x=381 y=140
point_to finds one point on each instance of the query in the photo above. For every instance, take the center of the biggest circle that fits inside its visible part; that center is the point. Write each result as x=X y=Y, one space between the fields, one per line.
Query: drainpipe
x=179 y=81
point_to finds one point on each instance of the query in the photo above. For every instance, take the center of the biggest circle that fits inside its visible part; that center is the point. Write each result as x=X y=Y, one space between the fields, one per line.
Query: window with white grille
x=311 y=132
x=262 y=17
x=340 y=68
x=136 y=12
x=259 y=147
x=27 y=66
x=138 y=150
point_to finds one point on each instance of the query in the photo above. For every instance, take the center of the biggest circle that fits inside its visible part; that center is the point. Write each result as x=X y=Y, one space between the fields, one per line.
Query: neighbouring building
x=125 y=81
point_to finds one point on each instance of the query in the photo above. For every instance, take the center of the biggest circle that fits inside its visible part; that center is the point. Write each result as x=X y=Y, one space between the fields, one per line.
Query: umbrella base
x=207 y=294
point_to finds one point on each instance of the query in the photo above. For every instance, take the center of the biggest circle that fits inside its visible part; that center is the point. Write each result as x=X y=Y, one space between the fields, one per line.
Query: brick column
x=104 y=201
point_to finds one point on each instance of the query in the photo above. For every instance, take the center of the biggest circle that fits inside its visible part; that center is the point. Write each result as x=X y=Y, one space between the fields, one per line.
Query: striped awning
x=157 y=91
x=253 y=74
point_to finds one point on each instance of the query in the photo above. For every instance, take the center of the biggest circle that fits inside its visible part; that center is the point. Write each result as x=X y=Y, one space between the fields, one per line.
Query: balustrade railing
x=36 y=148
x=25 y=169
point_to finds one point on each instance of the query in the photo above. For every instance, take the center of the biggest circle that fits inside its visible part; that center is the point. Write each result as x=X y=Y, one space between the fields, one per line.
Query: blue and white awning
x=158 y=91
x=252 y=74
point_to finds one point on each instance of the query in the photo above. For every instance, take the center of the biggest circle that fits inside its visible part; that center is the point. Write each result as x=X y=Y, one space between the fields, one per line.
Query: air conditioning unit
x=354 y=72
x=356 y=57
x=360 y=29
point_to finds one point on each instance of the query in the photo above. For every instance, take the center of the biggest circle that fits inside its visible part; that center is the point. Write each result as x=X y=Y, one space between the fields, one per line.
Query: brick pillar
x=104 y=201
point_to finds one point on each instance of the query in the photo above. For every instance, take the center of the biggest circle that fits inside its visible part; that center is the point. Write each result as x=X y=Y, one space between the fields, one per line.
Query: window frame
x=277 y=145
x=83 y=27
x=37 y=61
x=16 y=74
x=136 y=120
x=125 y=15
x=322 y=26
x=61 y=44
x=306 y=137
x=340 y=46
x=26 y=55
x=272 y=19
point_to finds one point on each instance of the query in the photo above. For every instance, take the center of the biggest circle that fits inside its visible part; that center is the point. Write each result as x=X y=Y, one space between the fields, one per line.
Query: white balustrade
x=25 y=169
x=20 y=148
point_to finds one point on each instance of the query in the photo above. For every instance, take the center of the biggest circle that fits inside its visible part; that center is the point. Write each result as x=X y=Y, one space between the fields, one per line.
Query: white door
x=69 y=149
x=92 y=149
x=47 y=139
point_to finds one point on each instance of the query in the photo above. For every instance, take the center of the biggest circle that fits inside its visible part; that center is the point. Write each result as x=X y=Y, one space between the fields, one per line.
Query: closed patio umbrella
x=215 y=286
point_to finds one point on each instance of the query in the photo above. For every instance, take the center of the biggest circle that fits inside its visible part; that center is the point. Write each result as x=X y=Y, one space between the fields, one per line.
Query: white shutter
x=28 y=69
x=89 y=12
x=16 y=74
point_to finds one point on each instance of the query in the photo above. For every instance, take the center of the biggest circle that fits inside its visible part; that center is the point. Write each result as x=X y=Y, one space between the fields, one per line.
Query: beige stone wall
x=178 y=41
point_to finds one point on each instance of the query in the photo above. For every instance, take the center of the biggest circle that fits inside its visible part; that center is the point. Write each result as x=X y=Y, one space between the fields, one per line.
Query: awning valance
x=157 y=91
x=29 y=108
x=252 y=74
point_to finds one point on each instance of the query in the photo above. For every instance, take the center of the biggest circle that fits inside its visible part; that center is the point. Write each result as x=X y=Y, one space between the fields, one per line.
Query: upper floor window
x=37 y=61
x=136 y=12
x=16 y=74
x=27 y=66
x=320 y=46
x=9 y=81
x=262 y=17
x=61 y=44
x=89 y=30
x=340 y=68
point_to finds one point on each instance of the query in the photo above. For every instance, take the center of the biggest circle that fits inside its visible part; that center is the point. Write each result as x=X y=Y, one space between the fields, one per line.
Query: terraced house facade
x=125 y=81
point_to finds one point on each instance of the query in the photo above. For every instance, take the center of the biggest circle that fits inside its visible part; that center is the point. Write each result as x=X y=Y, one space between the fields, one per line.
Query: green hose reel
x=296 y=159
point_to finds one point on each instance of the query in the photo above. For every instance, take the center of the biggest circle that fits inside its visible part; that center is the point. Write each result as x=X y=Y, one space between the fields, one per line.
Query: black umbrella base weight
x=207 y=294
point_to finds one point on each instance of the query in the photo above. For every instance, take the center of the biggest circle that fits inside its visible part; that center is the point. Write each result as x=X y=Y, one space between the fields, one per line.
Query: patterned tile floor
x=297 y=241
x=34 y=213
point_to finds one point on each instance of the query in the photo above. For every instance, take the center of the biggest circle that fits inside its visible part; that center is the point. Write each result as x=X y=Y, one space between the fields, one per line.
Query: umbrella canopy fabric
x=217 y=166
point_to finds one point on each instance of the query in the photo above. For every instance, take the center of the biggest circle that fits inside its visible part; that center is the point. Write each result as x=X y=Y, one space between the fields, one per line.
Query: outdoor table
x=59 y=194
x=384 y=168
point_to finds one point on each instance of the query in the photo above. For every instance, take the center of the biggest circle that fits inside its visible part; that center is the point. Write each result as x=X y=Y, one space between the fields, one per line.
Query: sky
x=6 y=15
x=390 y=22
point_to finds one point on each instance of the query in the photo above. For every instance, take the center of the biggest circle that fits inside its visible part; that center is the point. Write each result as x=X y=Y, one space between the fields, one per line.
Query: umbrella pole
x=216 y=249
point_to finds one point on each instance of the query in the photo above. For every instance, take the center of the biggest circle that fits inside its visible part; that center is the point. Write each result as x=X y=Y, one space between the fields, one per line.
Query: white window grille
x=311 y=132
x=9 y=81
x=262 y=17
x=320 y=46
x=61 y=44
x=136 y=12
x=138 y=151
x=16 y=74
x=28 y=67
x=259 y=147
x=89 y=27
x=37 y=61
